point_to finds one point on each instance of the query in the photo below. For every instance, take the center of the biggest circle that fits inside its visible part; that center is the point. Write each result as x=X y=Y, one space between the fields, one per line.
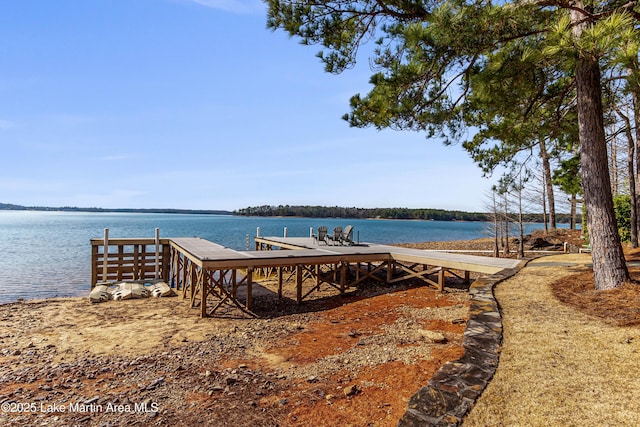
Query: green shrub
x=622 y=207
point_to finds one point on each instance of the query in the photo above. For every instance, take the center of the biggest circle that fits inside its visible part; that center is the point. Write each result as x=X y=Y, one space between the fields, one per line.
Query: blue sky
x=194 y=104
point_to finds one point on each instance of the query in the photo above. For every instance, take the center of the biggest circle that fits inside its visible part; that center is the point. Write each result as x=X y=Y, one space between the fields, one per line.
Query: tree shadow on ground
x=267 y=305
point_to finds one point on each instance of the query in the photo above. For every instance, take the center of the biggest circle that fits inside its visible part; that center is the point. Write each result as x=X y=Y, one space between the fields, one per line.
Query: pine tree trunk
x=635 y=96
x=632 y=178
x=544 y=205
x=506 y=247
x=634 y=196
x=495 y=227
x=546 y=170
x=609 y=267
x=614 y=166
x=520 y=222
x=574 y=202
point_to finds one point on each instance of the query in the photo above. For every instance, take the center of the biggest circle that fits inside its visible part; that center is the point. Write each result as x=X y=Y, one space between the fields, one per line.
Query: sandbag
x=130 y=291
x=161 y=289
x=100 y=293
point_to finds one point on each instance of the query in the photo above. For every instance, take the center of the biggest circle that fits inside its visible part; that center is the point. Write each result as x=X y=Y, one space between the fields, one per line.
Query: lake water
x=47 y=254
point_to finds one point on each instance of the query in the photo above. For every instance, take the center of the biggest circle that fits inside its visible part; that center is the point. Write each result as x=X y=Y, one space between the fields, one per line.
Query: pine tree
x=428 y=52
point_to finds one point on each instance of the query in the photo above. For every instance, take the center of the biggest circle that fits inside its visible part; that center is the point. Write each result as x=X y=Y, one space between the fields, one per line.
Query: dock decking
x=204 y=271
x=473 y=263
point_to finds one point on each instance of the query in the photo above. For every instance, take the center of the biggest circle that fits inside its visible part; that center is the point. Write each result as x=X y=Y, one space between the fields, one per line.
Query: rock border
x=454 y=389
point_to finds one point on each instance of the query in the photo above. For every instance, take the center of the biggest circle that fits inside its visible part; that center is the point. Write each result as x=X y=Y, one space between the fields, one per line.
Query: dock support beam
x=204 y=289
x=298 y=283
x=249 y=301
x=105 y=255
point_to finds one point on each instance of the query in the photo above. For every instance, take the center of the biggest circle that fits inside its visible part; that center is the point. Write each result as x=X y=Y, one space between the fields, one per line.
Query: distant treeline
x=8 y=206
x=308 y=212
x=383 y=213
x=342 y=212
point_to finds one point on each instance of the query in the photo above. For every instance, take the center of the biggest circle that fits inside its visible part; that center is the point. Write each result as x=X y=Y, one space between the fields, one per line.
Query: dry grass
x=560 y=365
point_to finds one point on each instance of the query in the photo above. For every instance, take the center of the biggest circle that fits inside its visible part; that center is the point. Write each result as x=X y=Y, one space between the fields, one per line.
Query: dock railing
x=129 y=259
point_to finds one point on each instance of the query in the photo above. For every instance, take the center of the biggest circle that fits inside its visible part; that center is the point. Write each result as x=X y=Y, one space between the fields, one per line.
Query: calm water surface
x=47 y=254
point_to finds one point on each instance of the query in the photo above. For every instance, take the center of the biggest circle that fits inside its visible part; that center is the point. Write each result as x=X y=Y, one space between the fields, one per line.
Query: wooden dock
x=210 y=275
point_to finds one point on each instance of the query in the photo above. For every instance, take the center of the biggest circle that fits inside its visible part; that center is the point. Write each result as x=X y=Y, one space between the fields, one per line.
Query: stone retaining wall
x=453 y=390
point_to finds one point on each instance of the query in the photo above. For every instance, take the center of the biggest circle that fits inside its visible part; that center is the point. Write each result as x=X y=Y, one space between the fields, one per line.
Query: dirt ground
x=335 y=360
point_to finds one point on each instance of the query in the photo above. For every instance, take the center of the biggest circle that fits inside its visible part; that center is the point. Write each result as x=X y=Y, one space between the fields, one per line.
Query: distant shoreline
x=402 y=214
x=8 y=207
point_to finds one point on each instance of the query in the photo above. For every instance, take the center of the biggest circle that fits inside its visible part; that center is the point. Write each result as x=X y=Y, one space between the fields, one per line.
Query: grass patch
x=569 y=354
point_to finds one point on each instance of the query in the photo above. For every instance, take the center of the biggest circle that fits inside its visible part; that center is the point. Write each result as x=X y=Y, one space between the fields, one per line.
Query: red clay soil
x=359 y=394
x=388 y=386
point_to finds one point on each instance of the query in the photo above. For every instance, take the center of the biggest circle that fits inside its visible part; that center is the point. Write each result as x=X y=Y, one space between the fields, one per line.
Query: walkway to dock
x=206 y=272
x=457 y=261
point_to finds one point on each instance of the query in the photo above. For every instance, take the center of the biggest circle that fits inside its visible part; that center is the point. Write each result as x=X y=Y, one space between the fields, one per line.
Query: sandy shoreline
x=344 y=359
